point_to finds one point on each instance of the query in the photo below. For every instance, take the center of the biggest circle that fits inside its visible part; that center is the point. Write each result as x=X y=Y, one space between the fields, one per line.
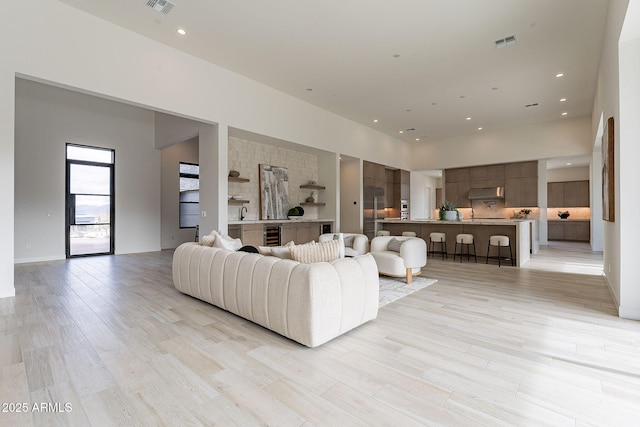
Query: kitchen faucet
x=242 y=211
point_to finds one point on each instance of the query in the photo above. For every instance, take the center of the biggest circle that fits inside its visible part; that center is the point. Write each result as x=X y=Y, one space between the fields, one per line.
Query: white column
x=214 y=154
x=7 y=143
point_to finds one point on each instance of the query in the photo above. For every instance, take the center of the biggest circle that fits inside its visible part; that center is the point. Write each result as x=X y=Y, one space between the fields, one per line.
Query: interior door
x=90 y=208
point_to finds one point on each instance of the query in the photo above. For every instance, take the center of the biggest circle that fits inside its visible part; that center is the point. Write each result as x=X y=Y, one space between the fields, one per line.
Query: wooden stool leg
x=409 y=276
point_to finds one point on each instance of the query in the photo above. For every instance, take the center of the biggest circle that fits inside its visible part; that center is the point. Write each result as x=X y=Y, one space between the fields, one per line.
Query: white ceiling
x=342 y=55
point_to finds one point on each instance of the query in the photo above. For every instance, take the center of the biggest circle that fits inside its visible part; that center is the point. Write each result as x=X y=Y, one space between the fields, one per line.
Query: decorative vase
x=234 y=174
x=314 y=196
x=450 y=215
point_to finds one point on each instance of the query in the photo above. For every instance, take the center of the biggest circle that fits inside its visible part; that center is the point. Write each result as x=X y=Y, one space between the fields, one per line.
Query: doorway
x=89 y=201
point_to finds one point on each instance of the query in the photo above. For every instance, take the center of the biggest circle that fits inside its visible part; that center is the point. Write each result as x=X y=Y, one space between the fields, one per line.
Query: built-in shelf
x=312 y=204
x=313 y=186
x=237 y=201
x=238 y=179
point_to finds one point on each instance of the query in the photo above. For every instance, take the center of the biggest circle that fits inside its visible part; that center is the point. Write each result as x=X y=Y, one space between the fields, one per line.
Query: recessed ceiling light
x=468 y=118
x=181 y=31
x=401 y=131
x=560 y=75
x=563 y=99
x=375 y=120
x=479 y=128
x=417 y=139
x=564 y=113
x=568 y=164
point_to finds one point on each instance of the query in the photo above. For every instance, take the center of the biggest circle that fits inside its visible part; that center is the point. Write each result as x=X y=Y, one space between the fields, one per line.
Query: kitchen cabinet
x=568 y=194
x=405 y=185
x=521 y=192
x=521 y=170
x=579 y=231
x=252 y=234
x=555 y=194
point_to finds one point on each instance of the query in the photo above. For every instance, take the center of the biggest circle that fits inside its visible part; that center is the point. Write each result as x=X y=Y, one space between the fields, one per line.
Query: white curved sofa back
x=309 y=303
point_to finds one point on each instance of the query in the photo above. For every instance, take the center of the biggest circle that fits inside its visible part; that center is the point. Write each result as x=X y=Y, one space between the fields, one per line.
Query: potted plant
x=449 y=211
x=525 y=212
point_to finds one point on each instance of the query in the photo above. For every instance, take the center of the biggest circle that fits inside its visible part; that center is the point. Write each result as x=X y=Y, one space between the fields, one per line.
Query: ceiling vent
x=162 y=6
x=535 y=104
x=507 y=41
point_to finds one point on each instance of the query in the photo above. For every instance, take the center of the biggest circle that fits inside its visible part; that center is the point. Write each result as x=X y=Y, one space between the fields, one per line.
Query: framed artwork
x=274 y=192
x=608 y=172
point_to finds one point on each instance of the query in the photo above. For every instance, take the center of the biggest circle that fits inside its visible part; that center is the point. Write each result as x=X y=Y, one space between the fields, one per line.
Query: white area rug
x=392 y=288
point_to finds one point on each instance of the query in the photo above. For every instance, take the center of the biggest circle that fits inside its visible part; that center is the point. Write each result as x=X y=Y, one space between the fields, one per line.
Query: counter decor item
x=234 y=173
x=563 y=215
x=295 y=213
x=448 y=211
x=525 y=213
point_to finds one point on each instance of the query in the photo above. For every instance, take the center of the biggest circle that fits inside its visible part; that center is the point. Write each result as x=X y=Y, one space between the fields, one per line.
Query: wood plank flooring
x=111 y=337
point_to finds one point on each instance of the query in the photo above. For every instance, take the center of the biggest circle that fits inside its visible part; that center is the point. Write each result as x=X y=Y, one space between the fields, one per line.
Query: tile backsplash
x=246 y=156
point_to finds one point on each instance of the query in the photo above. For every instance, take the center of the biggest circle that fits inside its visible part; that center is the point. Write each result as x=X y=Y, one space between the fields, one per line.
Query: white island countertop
x=476 y=221
x=278 y=221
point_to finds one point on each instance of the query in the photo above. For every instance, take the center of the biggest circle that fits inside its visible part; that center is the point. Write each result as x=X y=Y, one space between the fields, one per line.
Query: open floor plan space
x=111 y=342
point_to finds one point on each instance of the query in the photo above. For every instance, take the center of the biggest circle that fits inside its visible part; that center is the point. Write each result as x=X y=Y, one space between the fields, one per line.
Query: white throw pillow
x=209 y=239
x=316 y=252
x=223 y=241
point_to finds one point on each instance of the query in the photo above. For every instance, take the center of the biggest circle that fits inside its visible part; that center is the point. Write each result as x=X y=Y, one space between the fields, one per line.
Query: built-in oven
x=404 y=209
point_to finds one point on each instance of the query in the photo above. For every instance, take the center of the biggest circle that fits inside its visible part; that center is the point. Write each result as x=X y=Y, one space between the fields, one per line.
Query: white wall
x=350 y=195
x=627 y=171
x=560 y=138
x=172 y=235
x=578 y=173
x=46 y=119
x=417 y=205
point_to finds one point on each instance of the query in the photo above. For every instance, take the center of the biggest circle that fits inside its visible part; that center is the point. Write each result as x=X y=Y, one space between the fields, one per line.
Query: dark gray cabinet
x=568 y=194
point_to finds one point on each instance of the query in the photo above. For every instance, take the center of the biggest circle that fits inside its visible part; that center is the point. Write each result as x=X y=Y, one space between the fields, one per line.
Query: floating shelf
x=313 y=186
x=312 y=204
x=232 y=179
x=237 y=201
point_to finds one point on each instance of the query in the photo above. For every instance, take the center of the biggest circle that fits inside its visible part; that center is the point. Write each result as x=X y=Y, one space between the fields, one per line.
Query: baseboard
x=8 y=293
x=629 y=313
x=37 y=259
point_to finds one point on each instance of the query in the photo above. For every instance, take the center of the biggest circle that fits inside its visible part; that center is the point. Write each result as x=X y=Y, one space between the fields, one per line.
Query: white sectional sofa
x=309 y=303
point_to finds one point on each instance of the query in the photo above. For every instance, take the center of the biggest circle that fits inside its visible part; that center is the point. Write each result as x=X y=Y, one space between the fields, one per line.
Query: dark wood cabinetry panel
x=512 y=192
x=568 y=194
x=528 y=192
x=579 y=231
x=556 y=230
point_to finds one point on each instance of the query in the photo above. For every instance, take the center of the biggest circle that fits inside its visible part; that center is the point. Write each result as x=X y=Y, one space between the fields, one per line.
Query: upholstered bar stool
x=383 y=233
x=465 y=240
x=409 y=233
x=438 y=238
x=500 y=242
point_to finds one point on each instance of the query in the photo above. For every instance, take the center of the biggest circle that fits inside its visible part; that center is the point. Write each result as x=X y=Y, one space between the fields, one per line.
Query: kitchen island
x=521 y=232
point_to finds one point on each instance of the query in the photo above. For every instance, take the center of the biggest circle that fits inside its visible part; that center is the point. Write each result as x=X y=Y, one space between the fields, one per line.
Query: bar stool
x=438 y=238
x=468 y=241
x=383 y=233
x=500 y=241
x=409 y=233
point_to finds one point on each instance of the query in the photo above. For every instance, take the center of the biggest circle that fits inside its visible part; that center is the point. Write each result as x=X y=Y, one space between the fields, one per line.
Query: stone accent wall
x=245 y=156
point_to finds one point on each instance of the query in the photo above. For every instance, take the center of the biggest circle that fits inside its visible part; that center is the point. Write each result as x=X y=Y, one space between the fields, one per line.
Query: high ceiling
x=428 y=65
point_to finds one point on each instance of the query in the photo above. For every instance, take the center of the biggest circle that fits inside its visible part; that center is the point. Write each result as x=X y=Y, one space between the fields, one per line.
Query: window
x=189 y=195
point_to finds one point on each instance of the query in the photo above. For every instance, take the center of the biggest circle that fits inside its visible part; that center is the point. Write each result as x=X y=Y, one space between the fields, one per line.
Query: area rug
x=392 y=288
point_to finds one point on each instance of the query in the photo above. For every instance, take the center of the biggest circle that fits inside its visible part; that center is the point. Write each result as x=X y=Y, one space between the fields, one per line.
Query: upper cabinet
x=568 y=194
x=520 y=182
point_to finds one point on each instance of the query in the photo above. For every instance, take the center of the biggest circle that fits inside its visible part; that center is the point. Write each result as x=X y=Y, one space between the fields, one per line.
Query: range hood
x=486 y=193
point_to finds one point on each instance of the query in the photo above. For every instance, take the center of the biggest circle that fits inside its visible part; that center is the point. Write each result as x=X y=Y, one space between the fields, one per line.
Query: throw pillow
x=348 y=241
x=208 y=240
x=223 y=241
x=317 y=252
x=394 y=245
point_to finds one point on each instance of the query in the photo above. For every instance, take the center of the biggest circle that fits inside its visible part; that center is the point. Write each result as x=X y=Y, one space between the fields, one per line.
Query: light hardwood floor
x=110 y=336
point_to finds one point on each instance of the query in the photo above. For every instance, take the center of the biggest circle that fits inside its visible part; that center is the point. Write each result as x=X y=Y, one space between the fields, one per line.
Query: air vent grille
x=162 y=6
x=535 y=104
x=507 y=41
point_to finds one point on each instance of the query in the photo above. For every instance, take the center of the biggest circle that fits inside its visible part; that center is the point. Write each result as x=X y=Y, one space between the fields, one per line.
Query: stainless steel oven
x=404 y=209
